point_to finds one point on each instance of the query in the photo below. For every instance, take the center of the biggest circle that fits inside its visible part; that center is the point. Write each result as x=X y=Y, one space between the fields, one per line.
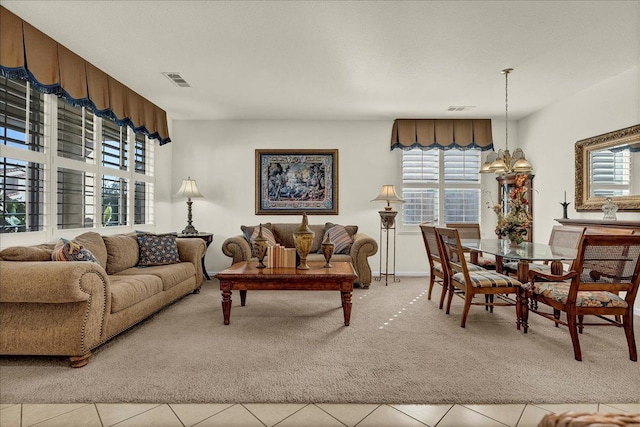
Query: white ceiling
x=347 y=60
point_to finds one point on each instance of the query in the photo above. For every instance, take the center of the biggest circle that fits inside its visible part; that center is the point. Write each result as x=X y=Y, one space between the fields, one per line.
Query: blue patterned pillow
x=341 y=239
x=158 y=249
x=70 y=250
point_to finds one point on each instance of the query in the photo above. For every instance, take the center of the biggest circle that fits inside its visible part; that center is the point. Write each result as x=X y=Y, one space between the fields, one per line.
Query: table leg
x=346 y=306
x=524 y=306
x=204 y=270
x=243 y=298
x=226 y=305
x=518 y=308
x=556 y=267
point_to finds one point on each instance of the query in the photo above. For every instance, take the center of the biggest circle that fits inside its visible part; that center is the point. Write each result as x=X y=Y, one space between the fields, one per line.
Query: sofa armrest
x=192 y=250
x=237 y=248
x=49 y=307
x=362 y=248
x=51 y=281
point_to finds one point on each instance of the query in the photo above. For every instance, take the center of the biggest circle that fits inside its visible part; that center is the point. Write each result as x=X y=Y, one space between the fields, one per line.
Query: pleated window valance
x=27 y=53
x=443 y=134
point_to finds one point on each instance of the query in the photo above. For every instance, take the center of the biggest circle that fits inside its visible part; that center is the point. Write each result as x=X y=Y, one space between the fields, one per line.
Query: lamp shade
x=388 y=194
x=188 y=189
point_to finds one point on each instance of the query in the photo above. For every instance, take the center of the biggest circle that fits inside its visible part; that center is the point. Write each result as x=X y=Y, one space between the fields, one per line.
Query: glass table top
x=525 y=251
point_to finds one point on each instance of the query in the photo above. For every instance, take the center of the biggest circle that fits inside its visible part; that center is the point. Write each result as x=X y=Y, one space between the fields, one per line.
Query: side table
x=208 y=238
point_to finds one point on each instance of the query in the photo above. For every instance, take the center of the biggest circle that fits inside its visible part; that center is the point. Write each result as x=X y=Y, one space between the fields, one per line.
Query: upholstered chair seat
x=486 y=279
x=559 y=291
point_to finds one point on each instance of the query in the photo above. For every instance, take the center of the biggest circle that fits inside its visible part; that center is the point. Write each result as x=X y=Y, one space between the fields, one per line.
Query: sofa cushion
x=284 y=235
x=122 y=252
x=158 y=249
x=70 y=250
x=341 y=239
x=130 y=290
x=94 y=243
x=170 y=275
x=27 y=253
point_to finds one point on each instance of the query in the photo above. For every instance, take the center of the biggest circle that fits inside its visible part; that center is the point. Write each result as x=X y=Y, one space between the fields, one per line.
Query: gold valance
x=28 y=53
x=443 y=134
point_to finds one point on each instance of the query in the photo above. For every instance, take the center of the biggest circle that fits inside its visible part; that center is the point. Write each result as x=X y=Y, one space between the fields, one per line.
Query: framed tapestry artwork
x=290 y=182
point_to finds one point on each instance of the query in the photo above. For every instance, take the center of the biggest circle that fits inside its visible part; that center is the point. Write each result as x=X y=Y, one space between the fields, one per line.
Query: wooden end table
x=208 y=238
x=244 y=276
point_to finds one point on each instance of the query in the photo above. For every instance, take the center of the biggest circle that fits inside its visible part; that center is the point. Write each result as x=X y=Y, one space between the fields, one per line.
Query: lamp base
x=190 y=229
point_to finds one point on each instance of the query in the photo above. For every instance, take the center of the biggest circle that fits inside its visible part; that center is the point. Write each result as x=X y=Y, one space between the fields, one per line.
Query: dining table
x=524 y=253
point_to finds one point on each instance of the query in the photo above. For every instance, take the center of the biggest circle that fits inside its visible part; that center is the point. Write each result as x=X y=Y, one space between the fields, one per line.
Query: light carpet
x=292 y=346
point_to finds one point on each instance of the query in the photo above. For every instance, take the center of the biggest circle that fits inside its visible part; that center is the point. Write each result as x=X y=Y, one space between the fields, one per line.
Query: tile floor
x=288 y=415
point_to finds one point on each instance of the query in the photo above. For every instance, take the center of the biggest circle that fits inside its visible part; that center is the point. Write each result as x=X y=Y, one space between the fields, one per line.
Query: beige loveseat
x=362 y=248
x=68 y=308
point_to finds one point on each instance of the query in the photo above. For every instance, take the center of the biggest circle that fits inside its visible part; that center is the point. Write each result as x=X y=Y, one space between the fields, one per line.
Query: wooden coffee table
x=244 y=276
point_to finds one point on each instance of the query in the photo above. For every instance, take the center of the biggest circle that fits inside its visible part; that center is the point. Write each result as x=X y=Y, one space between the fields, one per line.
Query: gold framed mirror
x=608 y=166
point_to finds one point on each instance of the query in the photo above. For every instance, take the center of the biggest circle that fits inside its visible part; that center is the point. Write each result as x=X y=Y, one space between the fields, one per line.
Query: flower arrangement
x=515 y=223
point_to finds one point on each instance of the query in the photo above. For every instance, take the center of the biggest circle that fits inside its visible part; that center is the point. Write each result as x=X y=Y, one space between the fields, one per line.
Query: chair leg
x=573 y=330
x=627 y=323
x=486 y=301
x=491 y=301
x=556 y=315
x=465 y=313
x=449 y=298
x=442 y=295
x=432 y=280
x=580 y=321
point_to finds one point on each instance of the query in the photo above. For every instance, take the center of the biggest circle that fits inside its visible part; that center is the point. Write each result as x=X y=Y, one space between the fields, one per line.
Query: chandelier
x=503 y=161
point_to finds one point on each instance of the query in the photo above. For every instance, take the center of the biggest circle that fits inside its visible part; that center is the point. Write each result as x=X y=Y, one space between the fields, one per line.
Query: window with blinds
x=33 y=126
x=440 y=186
x=610 y=173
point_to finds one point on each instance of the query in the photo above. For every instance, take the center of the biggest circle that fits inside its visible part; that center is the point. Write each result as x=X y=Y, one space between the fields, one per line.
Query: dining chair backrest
x=431 y=244
x=609 y=262
x=566 y=236
x=452 y=251
x=466 y=230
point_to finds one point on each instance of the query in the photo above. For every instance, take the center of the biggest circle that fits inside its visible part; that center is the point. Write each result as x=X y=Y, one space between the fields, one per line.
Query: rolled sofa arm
x=362 y=248
x=237 y=248
x=54 y=308
x=192 y=250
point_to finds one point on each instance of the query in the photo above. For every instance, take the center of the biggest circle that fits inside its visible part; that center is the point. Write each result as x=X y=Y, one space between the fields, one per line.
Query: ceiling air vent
x=177 y=79
x=461 y=107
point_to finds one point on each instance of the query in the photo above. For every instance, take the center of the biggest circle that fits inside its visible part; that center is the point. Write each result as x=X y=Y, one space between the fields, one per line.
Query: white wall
x=548 y=138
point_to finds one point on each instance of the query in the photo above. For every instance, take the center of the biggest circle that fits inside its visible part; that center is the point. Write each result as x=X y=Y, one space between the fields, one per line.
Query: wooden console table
x=595 y=223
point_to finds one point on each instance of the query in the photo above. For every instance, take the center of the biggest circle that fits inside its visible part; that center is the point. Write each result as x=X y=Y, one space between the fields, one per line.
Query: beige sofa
x=69 y=308
x=363 y=247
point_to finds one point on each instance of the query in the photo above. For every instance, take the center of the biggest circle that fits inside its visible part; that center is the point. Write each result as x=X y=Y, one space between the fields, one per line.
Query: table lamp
x=189 y=189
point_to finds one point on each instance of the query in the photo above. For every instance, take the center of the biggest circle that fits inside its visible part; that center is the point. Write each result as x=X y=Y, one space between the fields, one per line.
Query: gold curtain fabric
x=443 y=134
x=28 y=53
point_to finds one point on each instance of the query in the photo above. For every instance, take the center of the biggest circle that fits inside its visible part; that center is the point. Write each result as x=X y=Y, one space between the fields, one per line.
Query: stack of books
x=280 y=257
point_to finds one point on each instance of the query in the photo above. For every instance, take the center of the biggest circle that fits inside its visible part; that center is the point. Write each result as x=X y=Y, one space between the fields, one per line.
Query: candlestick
x=564 y=209
x=565 y=196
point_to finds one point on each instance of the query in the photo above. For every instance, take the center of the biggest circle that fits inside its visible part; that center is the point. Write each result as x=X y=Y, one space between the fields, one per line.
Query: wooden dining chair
x=562 y=236
x=471 y=230
x=606 y=265
x=470 y=283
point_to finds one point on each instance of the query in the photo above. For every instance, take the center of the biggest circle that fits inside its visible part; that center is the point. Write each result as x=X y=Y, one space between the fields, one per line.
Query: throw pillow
x=339 y=236
x=351 y=229
x=247 y=231
x=157 y=249
x=70 y=250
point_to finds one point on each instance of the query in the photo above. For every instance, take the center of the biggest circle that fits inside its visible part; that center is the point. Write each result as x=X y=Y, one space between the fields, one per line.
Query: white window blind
x=440 y=186
x=611 y=173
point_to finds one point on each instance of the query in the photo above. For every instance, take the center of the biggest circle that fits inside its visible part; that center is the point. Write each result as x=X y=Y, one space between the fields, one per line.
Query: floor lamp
x=387 y=225
x=189 y=189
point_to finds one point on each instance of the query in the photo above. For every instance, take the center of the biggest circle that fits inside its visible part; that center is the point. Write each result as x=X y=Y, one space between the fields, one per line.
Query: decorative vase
x=327 y=251
x=303 y=238
x=260 y=248
x=515 y=239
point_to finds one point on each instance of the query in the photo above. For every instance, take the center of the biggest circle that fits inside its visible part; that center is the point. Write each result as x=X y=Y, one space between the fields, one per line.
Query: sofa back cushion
x=122 y=252
x=93 y=242
x=284 y=235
